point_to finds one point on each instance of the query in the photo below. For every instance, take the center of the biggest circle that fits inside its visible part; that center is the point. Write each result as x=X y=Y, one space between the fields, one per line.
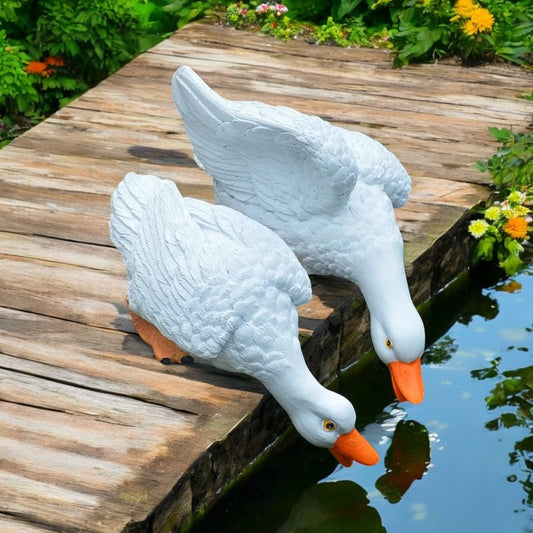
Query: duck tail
x=128 y=205
x=201 y=108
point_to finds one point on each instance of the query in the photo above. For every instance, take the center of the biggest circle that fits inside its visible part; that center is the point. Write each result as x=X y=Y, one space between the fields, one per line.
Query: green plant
x=95 y=37
x=270 y=18
x=354 y=32
x=502 y=231
x=332 y=32
x=511 y=166
x=422 y=30
x=512 y=35
x=17 y=92
x=52 y=50
x=505 y=225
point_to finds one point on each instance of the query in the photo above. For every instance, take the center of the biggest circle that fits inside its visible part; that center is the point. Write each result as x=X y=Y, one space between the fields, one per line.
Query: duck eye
x=388 y=343
x=329 y=425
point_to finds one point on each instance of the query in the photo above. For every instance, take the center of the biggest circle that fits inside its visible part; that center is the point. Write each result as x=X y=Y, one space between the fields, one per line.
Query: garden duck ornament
x=328 y=192
x=224 y=289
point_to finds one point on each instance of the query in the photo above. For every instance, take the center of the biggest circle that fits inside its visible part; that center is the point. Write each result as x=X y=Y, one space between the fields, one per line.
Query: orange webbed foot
x=165 y=350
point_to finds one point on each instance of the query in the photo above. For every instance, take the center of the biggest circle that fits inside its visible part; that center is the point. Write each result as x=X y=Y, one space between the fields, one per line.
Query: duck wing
x=265 y=158
x=279 y=263
x=178 y=281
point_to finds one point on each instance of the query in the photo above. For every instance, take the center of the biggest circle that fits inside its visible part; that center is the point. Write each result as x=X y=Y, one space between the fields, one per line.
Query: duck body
x=224 y=288
x=329 y=193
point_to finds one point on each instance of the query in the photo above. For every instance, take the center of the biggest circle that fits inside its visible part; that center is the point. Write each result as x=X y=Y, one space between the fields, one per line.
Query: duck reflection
x=340 y=506
x=406 y=459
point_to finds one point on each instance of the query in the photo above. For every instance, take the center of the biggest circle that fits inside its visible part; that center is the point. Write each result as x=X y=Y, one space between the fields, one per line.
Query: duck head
x=400 y=347
x=327 y=420
x=332 y=426
x=322 y=417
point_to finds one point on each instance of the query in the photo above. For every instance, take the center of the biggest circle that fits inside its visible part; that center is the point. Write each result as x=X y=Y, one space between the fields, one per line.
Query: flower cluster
x=279 y=9
x=502 y=230
x=268 y=18
x=475 y=19
x=42 y=67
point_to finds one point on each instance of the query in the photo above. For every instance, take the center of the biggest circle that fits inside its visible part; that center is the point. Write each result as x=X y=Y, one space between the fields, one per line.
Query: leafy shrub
x=506 y=224
x=95 y=37
x=502 y=231
x=511 y=166
x=17 y=92
x=422 y=30
x=268 y=18
x=53 y=50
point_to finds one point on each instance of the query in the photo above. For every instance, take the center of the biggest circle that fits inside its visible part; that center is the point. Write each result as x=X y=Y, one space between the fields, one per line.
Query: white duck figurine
x=224 y=289
x=328 y=192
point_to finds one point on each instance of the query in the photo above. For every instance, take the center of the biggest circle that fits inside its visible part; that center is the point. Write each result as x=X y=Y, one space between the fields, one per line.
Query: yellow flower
x=516 y=197
x=493 y=213
x=481 y=20
x=520 y=210
x=507 y=210
x=478 y=228
x=464 y=8
x=516 y=228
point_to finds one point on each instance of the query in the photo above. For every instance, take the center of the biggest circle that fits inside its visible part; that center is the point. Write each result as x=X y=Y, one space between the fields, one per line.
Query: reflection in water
x=341 y=506
x=477 y=419
x=513 y=390
x=440 y=351
x=407 y=459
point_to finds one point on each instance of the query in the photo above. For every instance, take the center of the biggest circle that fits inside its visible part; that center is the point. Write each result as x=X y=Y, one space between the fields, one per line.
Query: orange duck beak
x=354 y=447
x=407 y=381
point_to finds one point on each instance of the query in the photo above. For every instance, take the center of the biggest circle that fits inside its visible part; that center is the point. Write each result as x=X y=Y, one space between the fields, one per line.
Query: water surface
x=461 y=461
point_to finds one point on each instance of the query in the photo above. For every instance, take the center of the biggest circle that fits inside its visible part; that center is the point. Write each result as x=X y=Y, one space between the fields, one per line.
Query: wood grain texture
x=95 y=435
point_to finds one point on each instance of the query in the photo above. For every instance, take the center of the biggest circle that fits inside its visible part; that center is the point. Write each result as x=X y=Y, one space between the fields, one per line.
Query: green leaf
x=345 y=7
x=501 y=135
x=511 y=264
x=485 y=249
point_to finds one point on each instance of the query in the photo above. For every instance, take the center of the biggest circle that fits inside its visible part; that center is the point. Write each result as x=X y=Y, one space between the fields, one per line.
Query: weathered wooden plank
x=57 y=290
x=41 y=501
x=152 y=384
x=89 y=421
x=44 y=249
x=12 y=524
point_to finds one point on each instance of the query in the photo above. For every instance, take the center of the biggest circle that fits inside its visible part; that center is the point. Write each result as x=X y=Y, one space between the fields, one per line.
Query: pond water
x=461 y=461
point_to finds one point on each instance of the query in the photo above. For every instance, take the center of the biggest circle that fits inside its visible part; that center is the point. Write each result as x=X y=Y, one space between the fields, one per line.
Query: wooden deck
x=95 y=435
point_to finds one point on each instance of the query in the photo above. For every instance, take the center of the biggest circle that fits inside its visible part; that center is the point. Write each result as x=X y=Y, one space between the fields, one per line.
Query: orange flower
x=48 y=72
x=516 y=227
x=55 y=61
x=35 y=67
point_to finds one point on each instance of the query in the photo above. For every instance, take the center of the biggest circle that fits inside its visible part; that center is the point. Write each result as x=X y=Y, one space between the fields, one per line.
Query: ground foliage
x=507 y=223
x=51 y=51
x=416 y=30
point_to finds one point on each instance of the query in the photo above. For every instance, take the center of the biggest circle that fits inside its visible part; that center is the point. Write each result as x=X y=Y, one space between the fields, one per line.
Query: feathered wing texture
x=379 y=166
x=128 y=205
x=178 y=281
x=256 y=243
x=278 y=159
x=274 y=157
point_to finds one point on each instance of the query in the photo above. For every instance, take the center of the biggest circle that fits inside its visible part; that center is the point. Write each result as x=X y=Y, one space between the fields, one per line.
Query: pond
x=461 y=461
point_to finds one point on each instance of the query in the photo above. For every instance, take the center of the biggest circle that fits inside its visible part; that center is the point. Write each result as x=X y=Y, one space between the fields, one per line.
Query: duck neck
x=292 y=384
x=383 y=283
